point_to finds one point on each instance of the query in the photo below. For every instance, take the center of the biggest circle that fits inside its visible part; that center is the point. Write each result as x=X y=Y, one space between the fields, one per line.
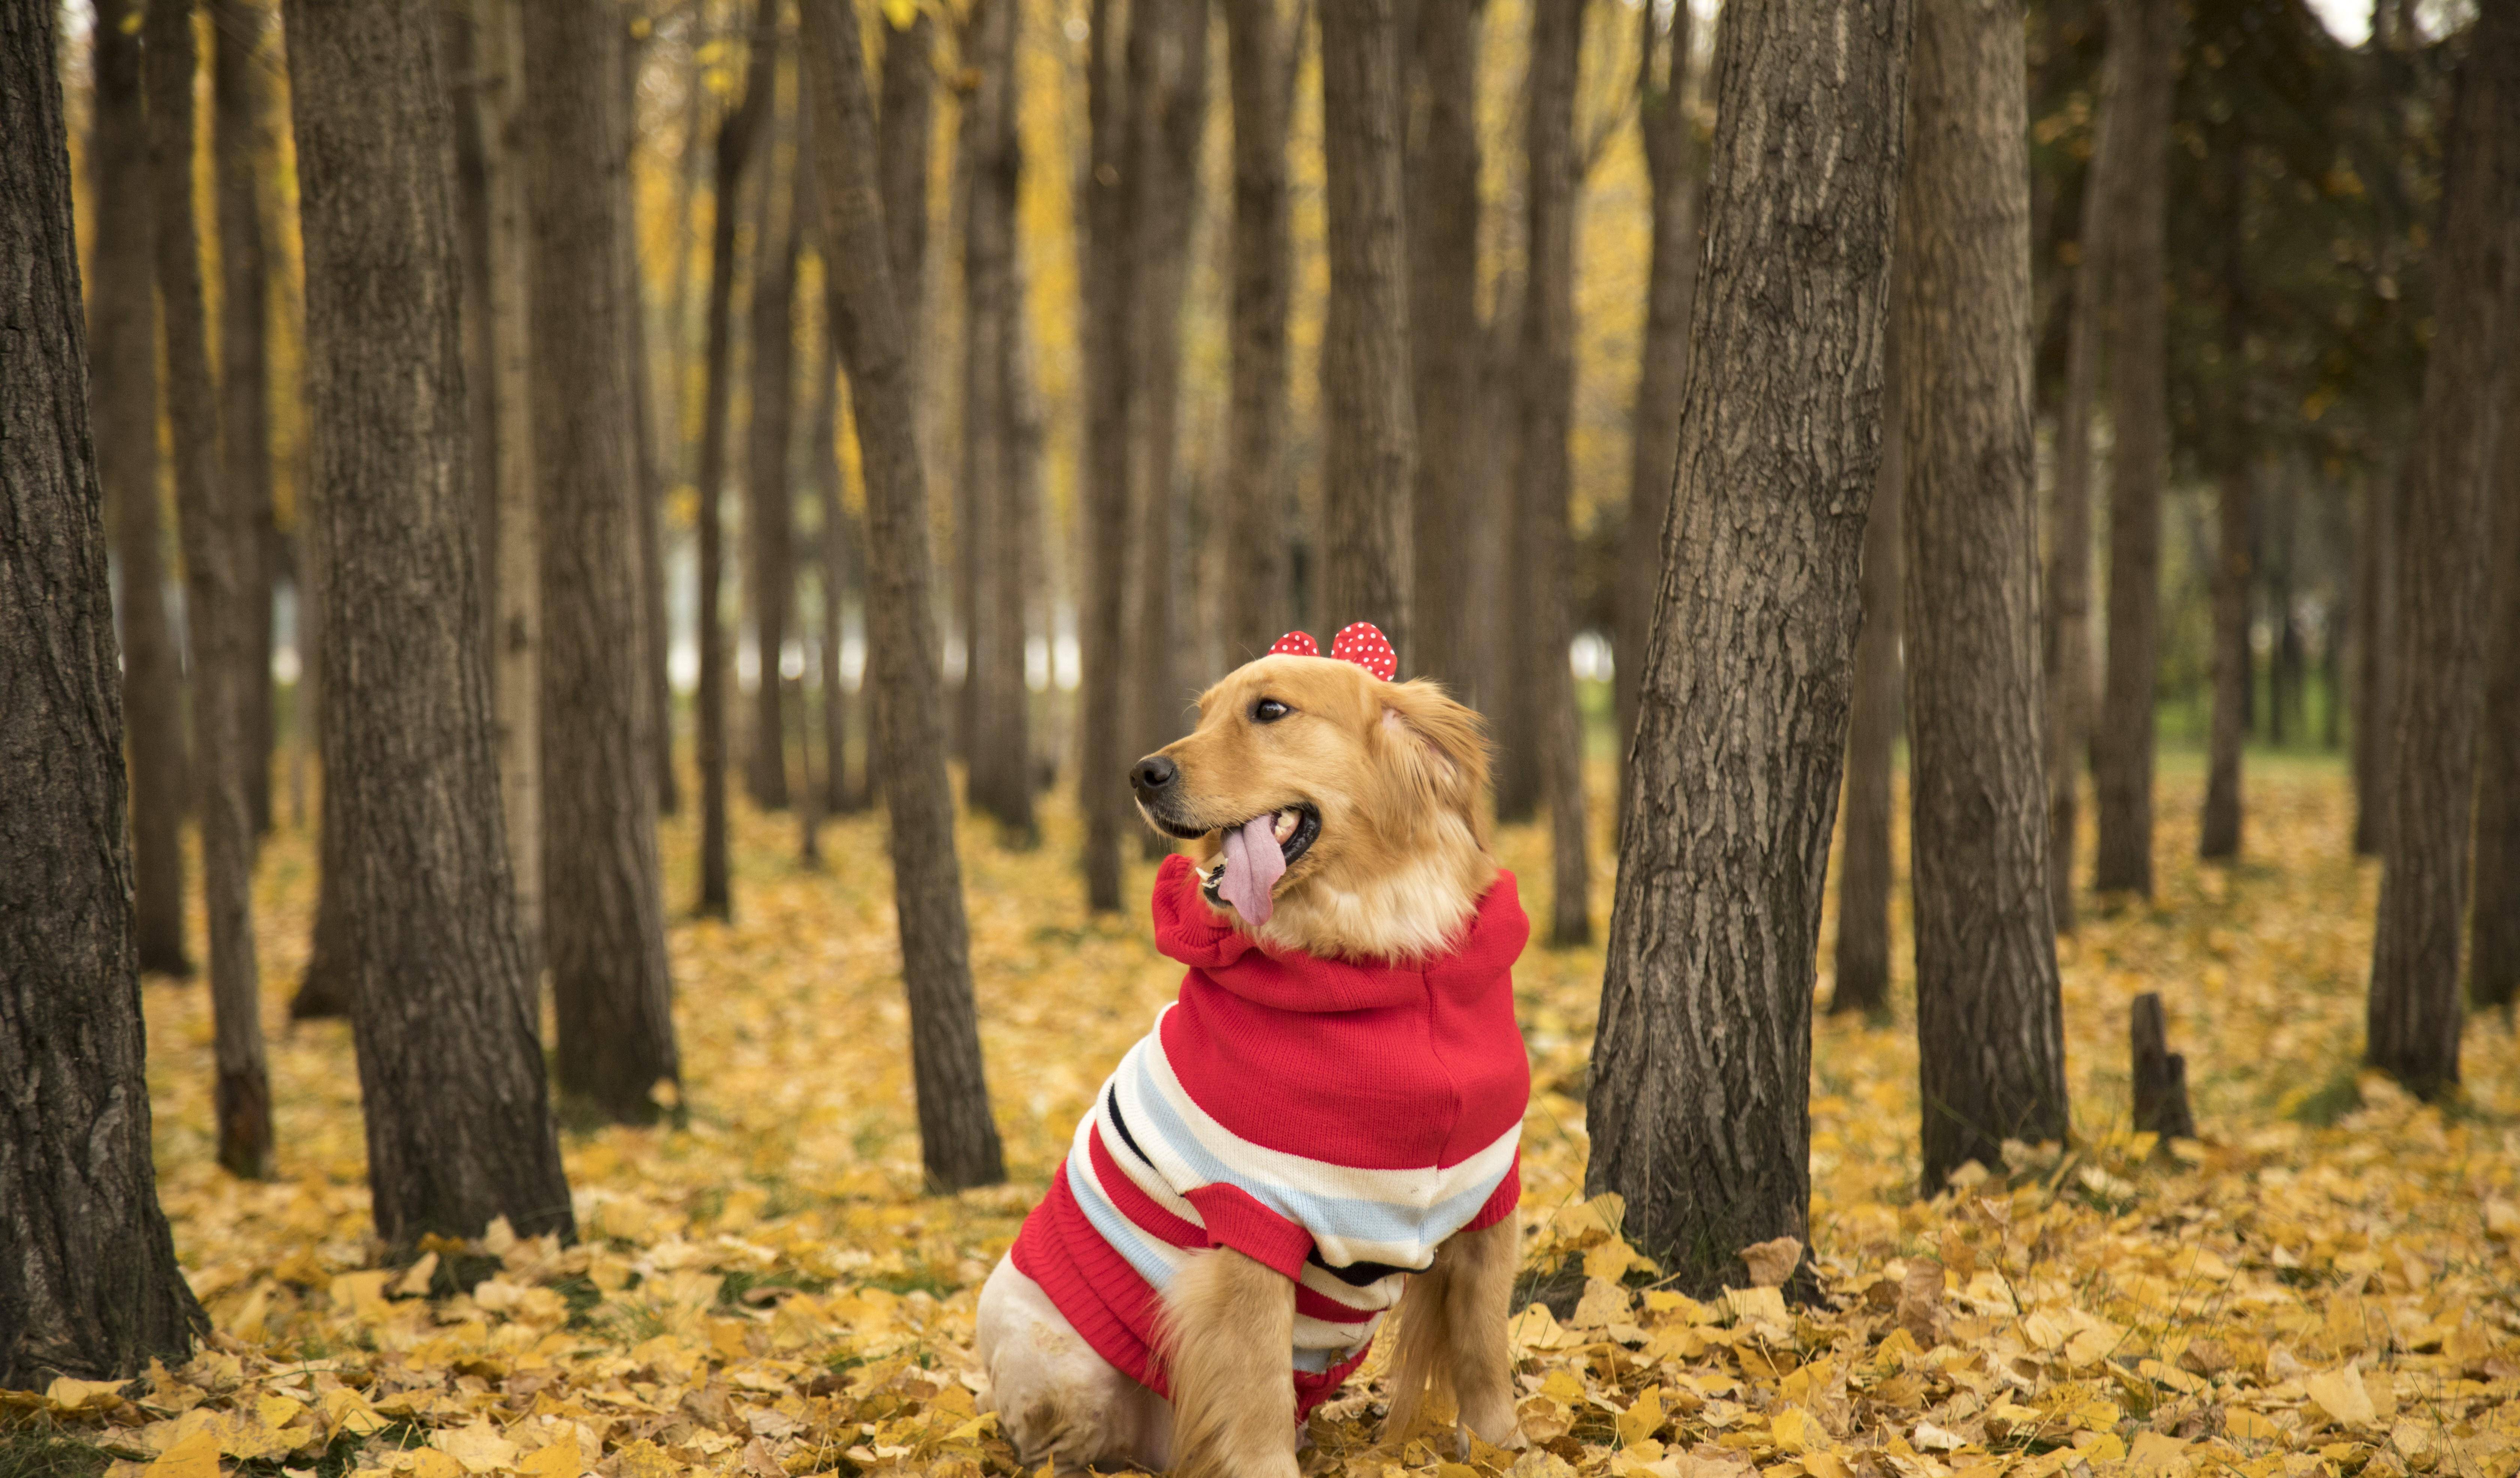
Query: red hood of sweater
x=1187 y=929
x=1378 y=1065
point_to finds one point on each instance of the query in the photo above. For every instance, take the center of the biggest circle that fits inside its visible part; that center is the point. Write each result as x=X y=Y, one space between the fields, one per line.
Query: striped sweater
x=1334 y=1120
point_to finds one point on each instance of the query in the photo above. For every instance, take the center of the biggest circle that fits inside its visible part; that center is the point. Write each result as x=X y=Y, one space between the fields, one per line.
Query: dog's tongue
x=1253 y=864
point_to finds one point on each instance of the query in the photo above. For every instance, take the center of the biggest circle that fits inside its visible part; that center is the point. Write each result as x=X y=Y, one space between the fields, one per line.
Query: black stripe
x=1111 y=1101
x=1356 y=1274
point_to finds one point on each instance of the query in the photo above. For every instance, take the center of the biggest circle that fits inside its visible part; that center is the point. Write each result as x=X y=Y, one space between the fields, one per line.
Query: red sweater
x=1333 y=1119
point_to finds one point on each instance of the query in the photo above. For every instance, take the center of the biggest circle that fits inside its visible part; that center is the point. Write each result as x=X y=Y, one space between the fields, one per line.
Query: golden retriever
x=1337 y=816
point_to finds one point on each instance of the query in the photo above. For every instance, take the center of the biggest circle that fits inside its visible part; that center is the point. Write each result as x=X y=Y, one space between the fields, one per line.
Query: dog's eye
x=1268 y=711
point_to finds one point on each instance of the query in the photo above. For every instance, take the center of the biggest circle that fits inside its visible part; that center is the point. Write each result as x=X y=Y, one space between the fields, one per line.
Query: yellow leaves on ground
x=2321 y=1289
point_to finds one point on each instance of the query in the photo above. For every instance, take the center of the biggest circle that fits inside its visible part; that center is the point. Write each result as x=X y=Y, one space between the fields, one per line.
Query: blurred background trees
x=1199 y=326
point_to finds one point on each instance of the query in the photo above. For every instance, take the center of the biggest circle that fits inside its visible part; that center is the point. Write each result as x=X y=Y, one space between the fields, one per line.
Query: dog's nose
x=1151 y=775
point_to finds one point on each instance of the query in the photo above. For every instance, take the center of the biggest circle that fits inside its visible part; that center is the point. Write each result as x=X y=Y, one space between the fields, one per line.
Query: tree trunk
x=2493 y=930
x=604 y=929
x=92 y=1287
x=1369 y=450
x=122 y=363
x=2236 y=544
x=213 y=605
x=1700 y=1088
x=769 y=512
x=1873 y=727
x=905 y=134
x=2138 y=92
x=1990 y=1025
x=447 y=1018
x=997 y=743
x=2160 y=1075
x=1512 y=710
x=238 y=160
x=2068 y=610
x=1671 y=168
x=673 y=409
x=735 y=144
x=1167 y=65
x=839 y=559
x=517 y=652
x=1255 y=597
x=2375 y=658
x=1444 y=334
x=655 y=689
x=463 y=67
x=958 y=1140
x=1542 y=560
x=2218 y=829
x=903 y=140
x=2415 y=1001
x=1109 y=336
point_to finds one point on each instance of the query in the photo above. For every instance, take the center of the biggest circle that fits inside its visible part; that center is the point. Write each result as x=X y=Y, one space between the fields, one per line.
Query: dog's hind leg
x=1228 y=1335
x=1056 y=1400
x=1453 y=1335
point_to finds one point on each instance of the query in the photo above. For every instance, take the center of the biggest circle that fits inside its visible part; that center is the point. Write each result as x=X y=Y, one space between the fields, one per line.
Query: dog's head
x=1369 y=792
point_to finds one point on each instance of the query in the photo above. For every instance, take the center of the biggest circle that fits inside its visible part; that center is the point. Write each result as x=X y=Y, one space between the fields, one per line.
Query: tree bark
x=1990 y=1025
x=656 y=634
x=447 y=1016
x=1369 y=434
x=213 y=558
x=2235 y=548
x=958 y=1140
x=2122 y=744
x=122 y=363
x=517 y=652
x=2160 y=1075
x=1873 y=727
x=238 y=160
x=2219 y=828
x=2414 y=1014
x=2375 y=591
x=97 y=1290
x=836 y=552
x=2068 y=610
x=1699 y=1101
x=1444 y=335
x=769 y=512
x=1109 y=334
x=604 y=930
x=735 y=144
x=1671 y=169
x=2494 y=929
x=904 y=137
x=1541 y=558
x=92 y=1287
x=1167 y=66
x=997 y=742
x=1257 y=605
x=464 y=69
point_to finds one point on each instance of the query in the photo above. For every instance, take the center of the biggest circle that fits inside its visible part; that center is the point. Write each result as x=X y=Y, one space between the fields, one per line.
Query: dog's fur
x=1397 y=772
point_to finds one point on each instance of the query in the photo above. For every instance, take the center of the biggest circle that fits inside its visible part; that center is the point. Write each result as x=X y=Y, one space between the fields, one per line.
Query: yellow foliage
x=765 y=1291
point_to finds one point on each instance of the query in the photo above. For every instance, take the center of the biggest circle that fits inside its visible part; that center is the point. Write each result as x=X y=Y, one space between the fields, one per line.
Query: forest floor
x=2328 y=1283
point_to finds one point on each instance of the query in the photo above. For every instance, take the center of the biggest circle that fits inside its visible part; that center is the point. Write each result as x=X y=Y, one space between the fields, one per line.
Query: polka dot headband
x=1359 y=642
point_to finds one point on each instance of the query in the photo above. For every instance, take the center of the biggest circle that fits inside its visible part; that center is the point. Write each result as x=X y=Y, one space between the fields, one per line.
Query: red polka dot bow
x=1360 y=642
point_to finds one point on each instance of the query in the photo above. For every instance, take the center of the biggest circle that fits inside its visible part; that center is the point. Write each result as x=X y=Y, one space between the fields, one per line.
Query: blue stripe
x=1341 y=1218
x=1117 y=1229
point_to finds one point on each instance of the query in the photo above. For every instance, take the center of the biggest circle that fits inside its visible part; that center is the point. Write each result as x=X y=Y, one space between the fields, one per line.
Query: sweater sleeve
x=1235 y=1218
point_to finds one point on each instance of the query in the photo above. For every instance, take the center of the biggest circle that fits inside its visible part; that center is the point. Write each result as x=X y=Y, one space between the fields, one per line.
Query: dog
x=1327 y=1119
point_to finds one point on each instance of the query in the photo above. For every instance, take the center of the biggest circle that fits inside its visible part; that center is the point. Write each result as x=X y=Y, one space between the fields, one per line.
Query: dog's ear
x=1438 y=747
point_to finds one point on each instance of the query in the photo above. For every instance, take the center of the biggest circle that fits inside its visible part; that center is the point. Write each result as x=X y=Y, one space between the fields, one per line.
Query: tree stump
x=2160 y=1075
